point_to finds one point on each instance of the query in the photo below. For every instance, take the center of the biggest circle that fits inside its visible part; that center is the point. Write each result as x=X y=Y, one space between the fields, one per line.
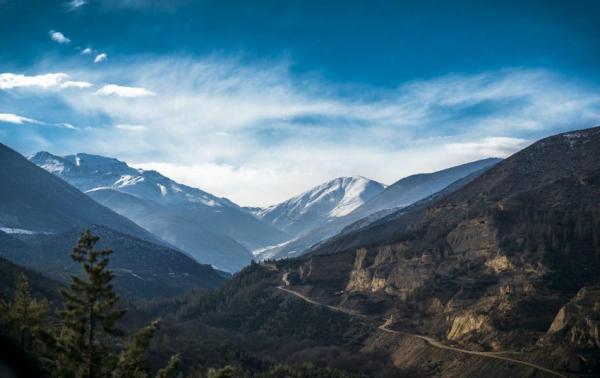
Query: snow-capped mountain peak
x=320 y=204
x=93 y=172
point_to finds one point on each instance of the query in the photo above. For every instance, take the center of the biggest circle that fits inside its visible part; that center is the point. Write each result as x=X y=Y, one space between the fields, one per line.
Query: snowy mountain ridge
x=213 y=230
x=93 y=172
x=330 y=200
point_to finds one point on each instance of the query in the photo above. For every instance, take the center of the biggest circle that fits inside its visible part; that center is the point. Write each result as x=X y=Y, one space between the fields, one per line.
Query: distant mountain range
x=41 y=217
x=370 y=205
x=211 y=229
x=217 y=231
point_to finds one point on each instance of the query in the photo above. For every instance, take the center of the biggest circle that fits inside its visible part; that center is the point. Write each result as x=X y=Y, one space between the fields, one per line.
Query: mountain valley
x=493 y=269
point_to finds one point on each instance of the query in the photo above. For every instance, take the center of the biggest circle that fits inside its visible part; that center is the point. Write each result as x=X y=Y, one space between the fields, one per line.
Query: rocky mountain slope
x=490 y=264
x=211 y=229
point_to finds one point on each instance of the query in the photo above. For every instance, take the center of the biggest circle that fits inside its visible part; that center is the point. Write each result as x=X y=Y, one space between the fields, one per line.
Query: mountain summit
x=333 y=199
x=93 y=172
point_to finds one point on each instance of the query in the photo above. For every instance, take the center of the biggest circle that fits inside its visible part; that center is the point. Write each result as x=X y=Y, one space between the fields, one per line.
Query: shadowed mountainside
x=142 y=269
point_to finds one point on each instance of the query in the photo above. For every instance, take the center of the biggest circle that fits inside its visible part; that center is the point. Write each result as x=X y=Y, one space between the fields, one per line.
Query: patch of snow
x=128 y=180
x=20 y=231
x=98 y=188
x=54 y=166
x=259 y=251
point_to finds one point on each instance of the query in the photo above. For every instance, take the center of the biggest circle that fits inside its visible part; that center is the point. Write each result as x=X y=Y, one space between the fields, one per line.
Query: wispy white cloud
x=17 y=119
x=87 y=51
x=490 y=146
x=75 y=84
x=100 y=58
x=58 y=37
x=123 y=91
x=124 y=126
x=20 y=120
x=66 y=125
x=45 y=81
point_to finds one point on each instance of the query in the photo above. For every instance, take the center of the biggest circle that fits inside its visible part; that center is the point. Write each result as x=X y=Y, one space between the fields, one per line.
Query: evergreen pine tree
x=132 y=360
x=88 y=317
x=24 y=316
x=169 y=368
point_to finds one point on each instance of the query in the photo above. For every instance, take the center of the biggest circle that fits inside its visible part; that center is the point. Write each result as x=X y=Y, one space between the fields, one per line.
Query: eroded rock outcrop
x=469 y=322
x=578 y=322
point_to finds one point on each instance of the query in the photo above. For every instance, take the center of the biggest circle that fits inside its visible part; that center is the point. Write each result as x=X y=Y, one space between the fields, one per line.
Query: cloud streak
x=259 y=134
x=21 y=120
x=17 y=119
x=491 y=146
x=131 y=127
x=46 y=81
x=123 y=91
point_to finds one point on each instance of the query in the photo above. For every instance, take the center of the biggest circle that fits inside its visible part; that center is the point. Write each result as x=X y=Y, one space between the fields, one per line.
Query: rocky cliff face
x=578 y=322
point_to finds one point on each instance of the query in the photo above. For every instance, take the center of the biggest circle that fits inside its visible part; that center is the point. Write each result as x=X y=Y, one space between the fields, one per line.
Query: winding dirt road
x=313 y=302
x=432 y=342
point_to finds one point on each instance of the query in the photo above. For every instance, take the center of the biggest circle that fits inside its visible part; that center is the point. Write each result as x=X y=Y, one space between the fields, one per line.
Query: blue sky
x=258 y=101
